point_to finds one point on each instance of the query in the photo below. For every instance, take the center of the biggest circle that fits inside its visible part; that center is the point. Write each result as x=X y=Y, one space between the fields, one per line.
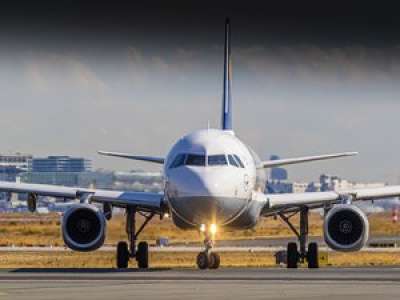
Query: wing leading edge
x=278 y=202
x=141 y=200
x=290 y=161
x=153 y=159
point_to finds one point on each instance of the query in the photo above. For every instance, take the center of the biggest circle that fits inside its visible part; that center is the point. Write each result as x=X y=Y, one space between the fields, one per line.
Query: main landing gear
x=295 y=255
x=208 y=259
x=126 y=251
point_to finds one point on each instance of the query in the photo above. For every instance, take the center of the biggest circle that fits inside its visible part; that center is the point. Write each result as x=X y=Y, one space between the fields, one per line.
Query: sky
x=77 y=78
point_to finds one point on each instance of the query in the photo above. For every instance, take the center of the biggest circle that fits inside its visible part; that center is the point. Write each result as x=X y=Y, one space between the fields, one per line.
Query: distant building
x=9 y=173
x=313 y=187
x=54 y=178
x=278 y=180
x=285 y=186
x=57 y=170
x=335 y=183
x=59 y=164
x=11 y=166
x=278 y=173
x=99 y=179
x=326 y=183
x=278 y=187
x=19 y=161
x=139 y=181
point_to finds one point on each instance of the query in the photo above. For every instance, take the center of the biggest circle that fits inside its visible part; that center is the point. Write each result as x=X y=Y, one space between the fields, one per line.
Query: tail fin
x=227 y=97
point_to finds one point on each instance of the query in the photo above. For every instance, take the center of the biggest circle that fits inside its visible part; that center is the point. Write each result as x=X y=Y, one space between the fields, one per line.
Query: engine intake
x=346 y=228
x=83 y=228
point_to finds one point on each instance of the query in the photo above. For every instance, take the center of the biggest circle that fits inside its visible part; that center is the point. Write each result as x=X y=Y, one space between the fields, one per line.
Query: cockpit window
x=178 y=161
x=232 y=161
x=217 y=160
x=195 y=160
x=200 y=160
x=238 y=160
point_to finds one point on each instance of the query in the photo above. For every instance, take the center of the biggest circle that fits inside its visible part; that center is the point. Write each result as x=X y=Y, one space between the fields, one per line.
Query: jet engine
x=346 y=228
x=83 y=228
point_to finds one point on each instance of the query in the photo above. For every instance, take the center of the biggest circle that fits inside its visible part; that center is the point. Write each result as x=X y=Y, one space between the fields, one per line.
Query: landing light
x=213 y=228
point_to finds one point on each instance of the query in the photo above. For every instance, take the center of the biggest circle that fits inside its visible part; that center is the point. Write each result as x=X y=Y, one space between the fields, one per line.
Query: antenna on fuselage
x=227 y=85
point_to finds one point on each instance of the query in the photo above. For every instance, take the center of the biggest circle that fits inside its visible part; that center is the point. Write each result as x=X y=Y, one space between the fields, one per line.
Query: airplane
x=212 y=180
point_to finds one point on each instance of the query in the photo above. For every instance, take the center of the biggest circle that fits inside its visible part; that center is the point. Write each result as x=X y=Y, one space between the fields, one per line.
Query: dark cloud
x=164 y=23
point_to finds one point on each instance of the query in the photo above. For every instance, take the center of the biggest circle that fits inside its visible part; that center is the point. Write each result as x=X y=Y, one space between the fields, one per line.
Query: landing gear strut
x=126 y=251
x=295 y=256
x=208 y=259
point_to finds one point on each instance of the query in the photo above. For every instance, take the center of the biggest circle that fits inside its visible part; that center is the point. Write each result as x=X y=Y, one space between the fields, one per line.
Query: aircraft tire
x=142 y=255
x=214 y=260
x=292 y=256
x=312 y=256
x=202 y=261
x=122 y=255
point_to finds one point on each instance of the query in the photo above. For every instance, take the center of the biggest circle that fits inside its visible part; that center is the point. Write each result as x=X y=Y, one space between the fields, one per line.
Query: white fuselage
x=210 y=178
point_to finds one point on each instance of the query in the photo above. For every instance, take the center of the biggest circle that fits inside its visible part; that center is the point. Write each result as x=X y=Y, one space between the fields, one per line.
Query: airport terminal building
x=57 y=170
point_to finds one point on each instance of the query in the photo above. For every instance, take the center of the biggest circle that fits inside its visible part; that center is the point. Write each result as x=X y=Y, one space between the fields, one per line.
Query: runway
x=226 y=283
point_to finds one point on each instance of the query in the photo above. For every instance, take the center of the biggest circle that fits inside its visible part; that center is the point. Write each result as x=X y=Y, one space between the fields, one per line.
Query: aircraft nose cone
x=198 y=183
x=203 y=196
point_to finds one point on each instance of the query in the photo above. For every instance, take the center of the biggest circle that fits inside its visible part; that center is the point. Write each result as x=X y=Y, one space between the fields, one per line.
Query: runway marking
x=194 y=278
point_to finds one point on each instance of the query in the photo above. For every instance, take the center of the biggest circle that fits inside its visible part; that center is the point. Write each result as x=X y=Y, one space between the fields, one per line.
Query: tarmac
x=225 y=283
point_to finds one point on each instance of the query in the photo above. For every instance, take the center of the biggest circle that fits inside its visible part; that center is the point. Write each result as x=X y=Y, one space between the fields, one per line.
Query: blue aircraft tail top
x=227 y=97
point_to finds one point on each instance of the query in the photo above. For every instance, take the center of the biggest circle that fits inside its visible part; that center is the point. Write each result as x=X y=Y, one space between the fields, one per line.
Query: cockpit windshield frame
x=239 y=161
x=202 y=160
x=178 y=161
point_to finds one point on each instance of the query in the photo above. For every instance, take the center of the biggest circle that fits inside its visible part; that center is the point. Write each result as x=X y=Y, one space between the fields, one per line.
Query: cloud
x=352 y=65
x=37 y=82
x=290 y=100
x=84 y=76
x=46 y=73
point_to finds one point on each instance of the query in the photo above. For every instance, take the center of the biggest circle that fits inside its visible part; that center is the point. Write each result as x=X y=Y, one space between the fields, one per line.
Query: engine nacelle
x=346 y=228
x=83 y=228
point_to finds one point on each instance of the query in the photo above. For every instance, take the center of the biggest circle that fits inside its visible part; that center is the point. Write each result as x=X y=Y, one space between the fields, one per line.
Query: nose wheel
x=214 y=260
x=202 y=260
x=208 y=259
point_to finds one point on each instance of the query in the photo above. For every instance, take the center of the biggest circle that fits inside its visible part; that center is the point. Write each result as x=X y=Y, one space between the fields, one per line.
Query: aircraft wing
x=141 y=200
x=290 y=161
x=280 y=202
x=153 y=159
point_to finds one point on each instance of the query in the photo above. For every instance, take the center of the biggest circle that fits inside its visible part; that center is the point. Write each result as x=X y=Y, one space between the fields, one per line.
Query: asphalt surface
x=274 y=283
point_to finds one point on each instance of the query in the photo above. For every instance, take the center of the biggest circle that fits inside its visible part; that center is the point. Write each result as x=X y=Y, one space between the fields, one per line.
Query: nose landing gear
x=208 y=259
